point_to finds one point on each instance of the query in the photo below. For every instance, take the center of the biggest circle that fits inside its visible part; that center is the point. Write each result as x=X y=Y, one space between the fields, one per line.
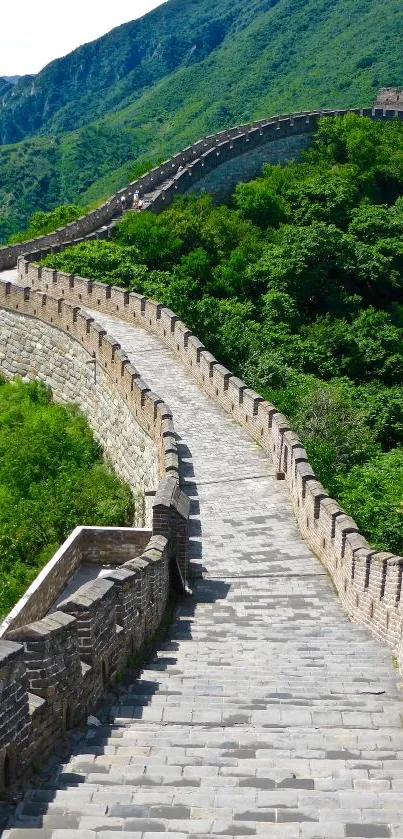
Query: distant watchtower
x=389 y=97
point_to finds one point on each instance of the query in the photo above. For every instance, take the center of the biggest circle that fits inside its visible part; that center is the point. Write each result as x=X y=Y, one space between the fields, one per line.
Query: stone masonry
x=34 y=350
x=55 y=666
x=265 y=712
x=286 y=133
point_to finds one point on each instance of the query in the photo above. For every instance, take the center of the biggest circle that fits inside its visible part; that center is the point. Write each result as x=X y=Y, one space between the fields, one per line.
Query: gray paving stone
x=265 y=712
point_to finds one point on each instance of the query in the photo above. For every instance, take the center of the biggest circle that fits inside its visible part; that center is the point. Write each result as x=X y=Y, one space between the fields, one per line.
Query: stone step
x=265 y=712
x=197 y=821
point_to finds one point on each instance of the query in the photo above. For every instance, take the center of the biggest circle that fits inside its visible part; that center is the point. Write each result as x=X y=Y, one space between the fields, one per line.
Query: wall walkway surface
x=265 y=712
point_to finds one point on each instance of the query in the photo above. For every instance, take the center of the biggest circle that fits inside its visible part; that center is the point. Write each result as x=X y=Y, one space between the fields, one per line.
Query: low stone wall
x=101 y=545
x=54 y=670
x=369 y=582
x=181 y=172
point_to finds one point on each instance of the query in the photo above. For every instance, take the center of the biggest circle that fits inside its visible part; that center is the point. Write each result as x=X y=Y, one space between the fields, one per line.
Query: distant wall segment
x=221 y=181
x=193 y=165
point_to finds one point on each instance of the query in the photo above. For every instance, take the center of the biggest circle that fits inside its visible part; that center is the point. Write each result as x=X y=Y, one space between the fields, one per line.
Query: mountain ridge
x=204 y=66
x=121 y=63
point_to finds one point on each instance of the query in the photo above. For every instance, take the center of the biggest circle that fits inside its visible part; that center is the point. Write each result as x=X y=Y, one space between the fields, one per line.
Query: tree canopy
x=52 y=478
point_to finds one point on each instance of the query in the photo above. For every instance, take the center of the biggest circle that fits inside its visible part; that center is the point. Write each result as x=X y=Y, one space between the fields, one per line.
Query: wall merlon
x=221 y=377
x=280 y=423
x=51 y=625
x=196 y=346
x=137 y=565
x=236 y=388
x=252 y=399
x=207 y=363
x=87 y=596
x=10 y=652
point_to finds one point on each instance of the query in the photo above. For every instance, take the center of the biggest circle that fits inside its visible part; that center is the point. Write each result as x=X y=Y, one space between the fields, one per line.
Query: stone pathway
x=266 y=712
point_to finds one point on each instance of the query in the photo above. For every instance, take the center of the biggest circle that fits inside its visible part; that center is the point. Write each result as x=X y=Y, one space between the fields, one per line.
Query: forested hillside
x=297 y=286
x=186 y=69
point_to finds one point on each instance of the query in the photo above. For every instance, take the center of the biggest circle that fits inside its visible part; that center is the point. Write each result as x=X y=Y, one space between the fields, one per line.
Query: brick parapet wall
x=178 y=174
x=54 y=671
x=368 y=582
x=101 y=545
x=149 y=411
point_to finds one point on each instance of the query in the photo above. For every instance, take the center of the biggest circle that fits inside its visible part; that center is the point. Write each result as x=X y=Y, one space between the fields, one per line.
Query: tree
x=374 y=491
x=259 y=203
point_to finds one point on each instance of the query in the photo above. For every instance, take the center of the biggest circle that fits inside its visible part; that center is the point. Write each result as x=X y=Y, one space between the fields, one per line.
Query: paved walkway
x=266 y=712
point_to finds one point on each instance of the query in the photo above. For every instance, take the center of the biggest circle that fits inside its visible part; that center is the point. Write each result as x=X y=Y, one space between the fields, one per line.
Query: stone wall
x=35 y=350
x=180 y=173
x=369 y=582
x=54 y=670
x=221 y=182
x=100 y=545
x=389 y=97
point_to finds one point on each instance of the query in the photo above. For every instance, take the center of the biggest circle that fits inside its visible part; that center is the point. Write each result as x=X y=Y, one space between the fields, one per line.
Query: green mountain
x=188 y=68
x=113 y=71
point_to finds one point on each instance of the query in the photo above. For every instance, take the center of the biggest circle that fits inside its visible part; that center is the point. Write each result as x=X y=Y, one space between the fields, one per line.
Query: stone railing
x=178 y=174
x=369 y=582
x=94 y=545
x=54 y=669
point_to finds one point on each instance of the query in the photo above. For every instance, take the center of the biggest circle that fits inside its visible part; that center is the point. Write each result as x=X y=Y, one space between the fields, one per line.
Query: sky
x=34 y=32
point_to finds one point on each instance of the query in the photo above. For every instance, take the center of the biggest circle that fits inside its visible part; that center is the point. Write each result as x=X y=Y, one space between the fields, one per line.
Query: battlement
x=184 y=170
x=55 y=665
x=54 y=671
x=369 y=582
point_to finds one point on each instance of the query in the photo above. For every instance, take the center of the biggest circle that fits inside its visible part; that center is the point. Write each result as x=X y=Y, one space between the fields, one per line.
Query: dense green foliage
x=297 y=287
x=41 y=223
x=187 y=69
x=52 y=478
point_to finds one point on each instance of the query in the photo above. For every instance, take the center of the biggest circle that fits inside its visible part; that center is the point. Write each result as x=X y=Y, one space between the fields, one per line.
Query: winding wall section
x=369 y=583
x=187 y=170
x=266 y=712
x=54 y=671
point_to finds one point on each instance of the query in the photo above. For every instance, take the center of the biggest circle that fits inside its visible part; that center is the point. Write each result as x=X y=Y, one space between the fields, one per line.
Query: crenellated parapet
x=54 y=671
x=369 y=582
x=190 y=167
x=58 y=655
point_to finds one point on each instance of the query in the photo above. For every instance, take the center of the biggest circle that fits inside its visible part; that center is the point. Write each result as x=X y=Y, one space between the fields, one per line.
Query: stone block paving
x=266 y=712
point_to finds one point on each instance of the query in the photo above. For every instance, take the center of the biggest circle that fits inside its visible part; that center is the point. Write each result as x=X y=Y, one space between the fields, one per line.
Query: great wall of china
x=266 y=711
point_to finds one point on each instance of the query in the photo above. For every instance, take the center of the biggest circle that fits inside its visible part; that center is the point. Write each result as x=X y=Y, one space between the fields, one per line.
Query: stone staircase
x=265 y=711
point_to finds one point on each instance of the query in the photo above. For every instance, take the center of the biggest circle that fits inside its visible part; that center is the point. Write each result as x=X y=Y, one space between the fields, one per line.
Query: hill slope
x=114 y=70
x=186 y=69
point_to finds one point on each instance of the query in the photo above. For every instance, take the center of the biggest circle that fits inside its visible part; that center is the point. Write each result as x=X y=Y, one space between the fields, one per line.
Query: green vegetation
x=297 y=286
x=41 y=223
x=73 y=132
x=52 y=478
